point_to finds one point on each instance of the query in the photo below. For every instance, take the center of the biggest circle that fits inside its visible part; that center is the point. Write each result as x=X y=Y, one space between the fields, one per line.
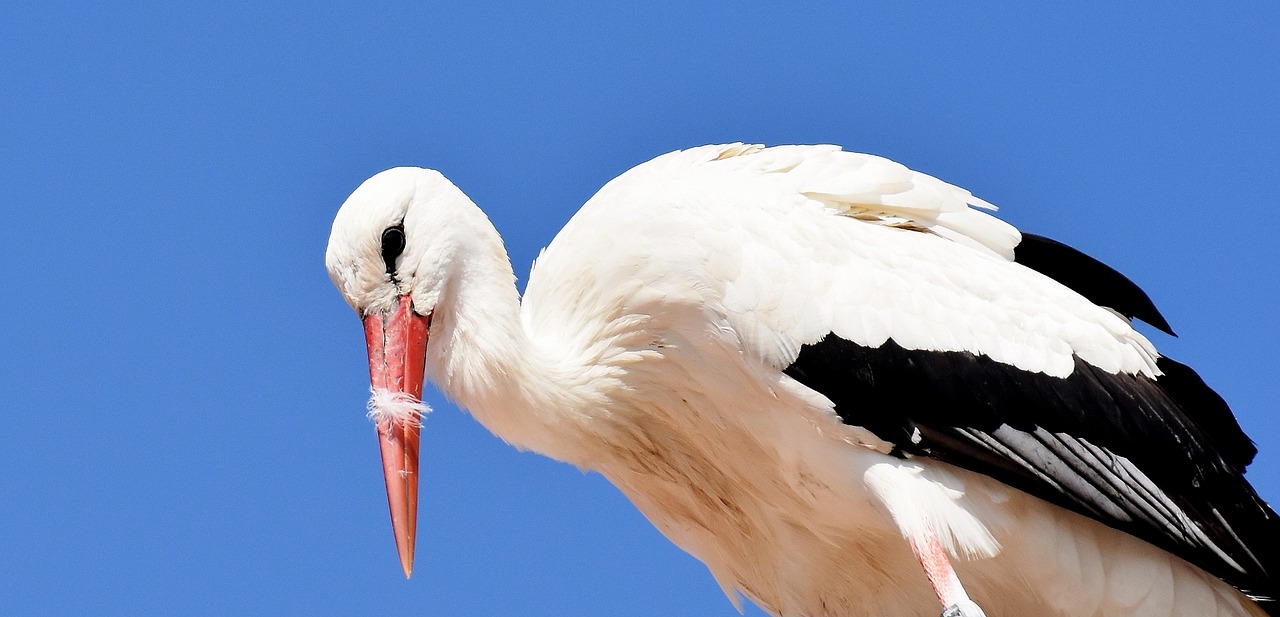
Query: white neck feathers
x=480 y=356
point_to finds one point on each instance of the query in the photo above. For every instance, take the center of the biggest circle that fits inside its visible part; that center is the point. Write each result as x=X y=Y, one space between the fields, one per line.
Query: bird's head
x=390 y=254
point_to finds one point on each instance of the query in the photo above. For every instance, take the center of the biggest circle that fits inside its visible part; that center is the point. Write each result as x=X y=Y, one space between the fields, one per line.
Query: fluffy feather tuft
x=924 y=503
x=387 y=407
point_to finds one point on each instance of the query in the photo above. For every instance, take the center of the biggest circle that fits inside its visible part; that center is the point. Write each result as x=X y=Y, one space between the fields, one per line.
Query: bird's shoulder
x=725 y=180
x=687 y=227
x=790 y=243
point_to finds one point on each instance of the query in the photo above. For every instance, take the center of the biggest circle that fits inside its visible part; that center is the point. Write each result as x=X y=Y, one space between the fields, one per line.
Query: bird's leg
x=942 y=577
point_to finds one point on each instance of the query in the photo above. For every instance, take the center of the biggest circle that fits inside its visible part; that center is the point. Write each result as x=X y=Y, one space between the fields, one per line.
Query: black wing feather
x=1088 y=277
x=1161 y=459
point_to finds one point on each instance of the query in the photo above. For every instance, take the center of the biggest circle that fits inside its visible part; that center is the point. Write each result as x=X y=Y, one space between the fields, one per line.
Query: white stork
x=838 y=382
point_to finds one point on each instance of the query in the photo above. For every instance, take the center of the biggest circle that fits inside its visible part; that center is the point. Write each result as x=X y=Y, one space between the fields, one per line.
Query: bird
x=845 y=386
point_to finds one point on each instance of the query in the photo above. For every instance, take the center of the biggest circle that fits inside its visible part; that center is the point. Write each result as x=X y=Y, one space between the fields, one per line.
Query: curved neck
x=480 y=356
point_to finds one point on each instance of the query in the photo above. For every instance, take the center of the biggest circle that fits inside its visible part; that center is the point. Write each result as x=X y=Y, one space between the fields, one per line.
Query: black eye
x=392 y=246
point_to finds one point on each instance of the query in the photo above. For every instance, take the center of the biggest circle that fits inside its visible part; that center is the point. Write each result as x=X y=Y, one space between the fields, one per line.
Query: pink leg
x=942 y=577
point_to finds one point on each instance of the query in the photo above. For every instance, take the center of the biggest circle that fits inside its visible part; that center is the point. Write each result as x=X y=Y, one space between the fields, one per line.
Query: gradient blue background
x=182 y=390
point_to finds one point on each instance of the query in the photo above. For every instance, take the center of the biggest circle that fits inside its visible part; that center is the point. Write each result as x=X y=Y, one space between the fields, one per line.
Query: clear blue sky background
x=182 y=390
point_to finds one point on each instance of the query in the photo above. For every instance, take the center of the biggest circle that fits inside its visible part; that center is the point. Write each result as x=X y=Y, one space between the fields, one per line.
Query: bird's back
x=715 y=268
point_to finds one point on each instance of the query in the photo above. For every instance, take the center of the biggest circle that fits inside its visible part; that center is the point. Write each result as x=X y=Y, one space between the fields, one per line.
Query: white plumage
x=658 y=344
x=740 y=225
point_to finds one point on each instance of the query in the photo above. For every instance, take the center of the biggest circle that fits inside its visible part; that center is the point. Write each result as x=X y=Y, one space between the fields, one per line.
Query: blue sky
x=183 y=390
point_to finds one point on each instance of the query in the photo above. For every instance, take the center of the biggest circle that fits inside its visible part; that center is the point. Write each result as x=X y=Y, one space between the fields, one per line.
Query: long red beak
x=397 y=354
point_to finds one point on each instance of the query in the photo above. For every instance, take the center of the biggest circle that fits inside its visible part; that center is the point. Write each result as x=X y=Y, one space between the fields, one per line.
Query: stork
x=843 y=385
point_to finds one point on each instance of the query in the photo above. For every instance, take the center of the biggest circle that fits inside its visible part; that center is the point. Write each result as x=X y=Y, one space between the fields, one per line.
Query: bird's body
x=679 y=337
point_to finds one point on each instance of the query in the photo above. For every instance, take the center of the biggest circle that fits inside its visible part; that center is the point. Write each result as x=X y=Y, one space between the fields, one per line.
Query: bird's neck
x=482 y=358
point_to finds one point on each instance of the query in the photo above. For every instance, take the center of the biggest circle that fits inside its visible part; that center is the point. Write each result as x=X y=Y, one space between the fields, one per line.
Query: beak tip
x=406 y=554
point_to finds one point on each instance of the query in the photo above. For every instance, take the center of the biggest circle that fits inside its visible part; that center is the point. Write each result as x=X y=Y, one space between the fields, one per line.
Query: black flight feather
x=1088 y=277
x=1161 y=459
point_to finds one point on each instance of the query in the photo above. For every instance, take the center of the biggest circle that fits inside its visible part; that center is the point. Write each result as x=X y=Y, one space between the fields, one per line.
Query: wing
x=939 y=328
x=1161 y=459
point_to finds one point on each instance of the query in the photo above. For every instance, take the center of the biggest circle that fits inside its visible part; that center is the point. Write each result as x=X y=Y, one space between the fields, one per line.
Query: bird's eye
x=392 y=246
